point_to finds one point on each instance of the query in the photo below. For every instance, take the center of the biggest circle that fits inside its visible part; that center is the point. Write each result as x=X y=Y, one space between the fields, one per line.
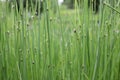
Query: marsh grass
x=66 y=45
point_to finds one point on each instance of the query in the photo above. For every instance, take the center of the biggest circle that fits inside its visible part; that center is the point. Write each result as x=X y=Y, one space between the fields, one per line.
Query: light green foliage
x=66 y=45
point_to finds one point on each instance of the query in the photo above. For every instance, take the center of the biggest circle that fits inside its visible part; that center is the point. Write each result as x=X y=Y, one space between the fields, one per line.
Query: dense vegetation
x=61 y=43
